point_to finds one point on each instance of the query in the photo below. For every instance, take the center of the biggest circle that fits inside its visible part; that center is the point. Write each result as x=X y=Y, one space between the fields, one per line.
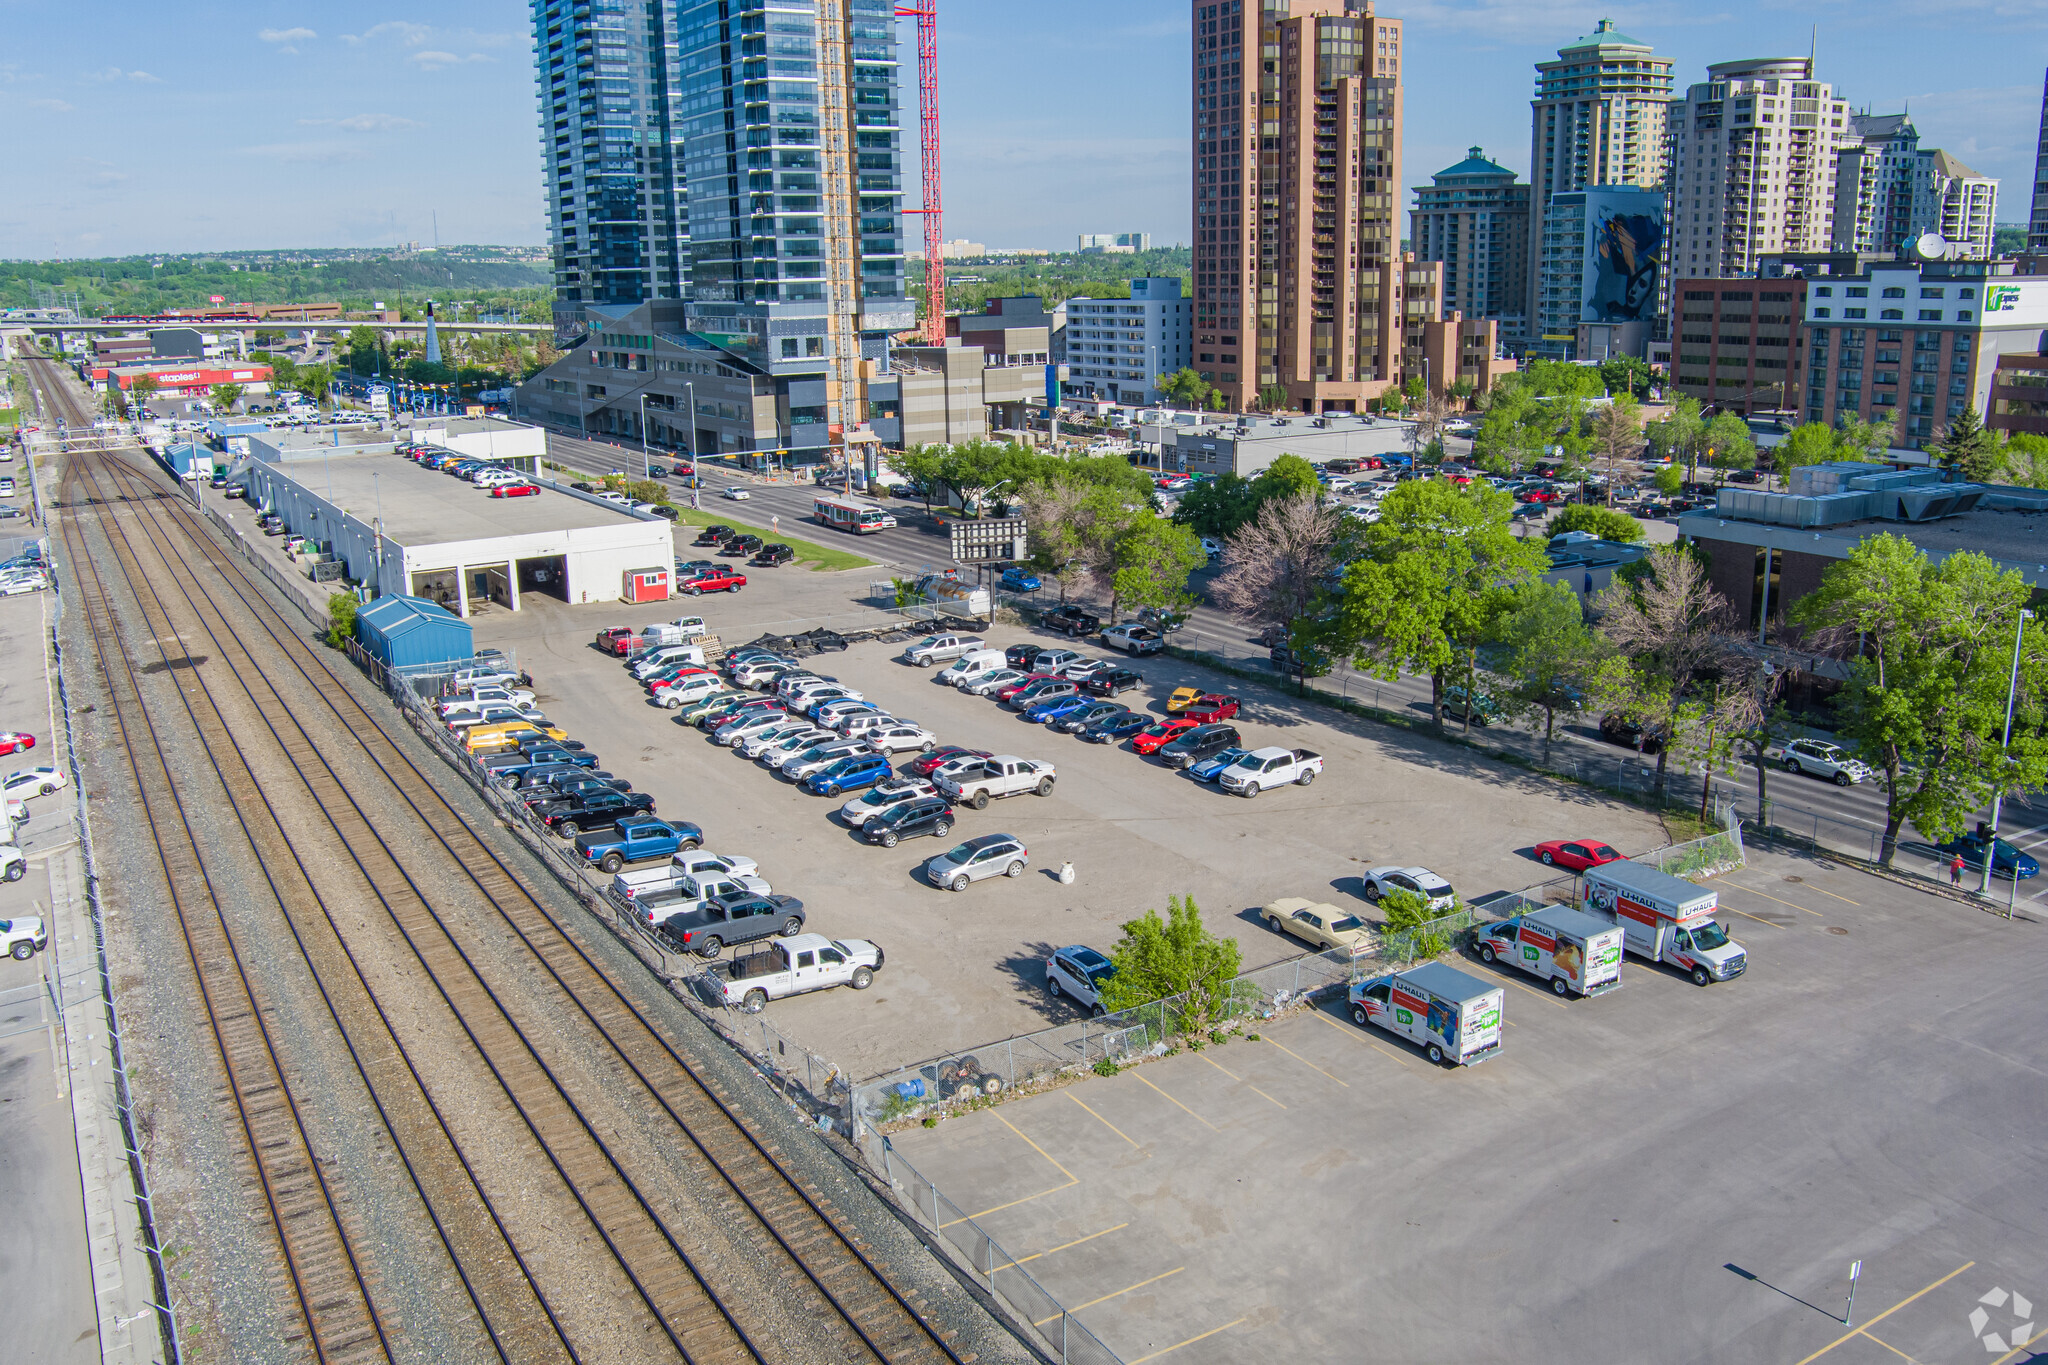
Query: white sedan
x=1818 y=758
x=28 y=782
x=901 y=737
x=736 y=494
x=875 y=800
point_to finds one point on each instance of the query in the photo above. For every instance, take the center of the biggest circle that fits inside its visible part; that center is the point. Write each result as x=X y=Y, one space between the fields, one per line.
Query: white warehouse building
x=1120 y=349
x=403 y=529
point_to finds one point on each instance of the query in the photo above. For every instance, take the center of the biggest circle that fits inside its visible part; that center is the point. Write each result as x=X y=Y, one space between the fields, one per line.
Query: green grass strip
x=819 y=557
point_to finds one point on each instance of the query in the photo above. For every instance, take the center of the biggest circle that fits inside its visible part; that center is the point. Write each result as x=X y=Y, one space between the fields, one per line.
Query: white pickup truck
x=791 y=966
x=1263 y=768
x=651 y=882
x=999 y=776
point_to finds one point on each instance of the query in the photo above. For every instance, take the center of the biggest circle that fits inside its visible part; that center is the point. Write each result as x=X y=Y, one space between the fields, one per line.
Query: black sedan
x=1112 y=729
x=1074 y=722
x=775 y=553
x=593 y=811
x=1021 y=656
x=1198 y=743
x=1072 y=620
x=931 y=815
x=1111 y=681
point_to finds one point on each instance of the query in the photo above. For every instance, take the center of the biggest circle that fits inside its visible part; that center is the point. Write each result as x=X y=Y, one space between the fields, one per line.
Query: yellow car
x=1183 y=698
x=507 y=734
x=1316 y=924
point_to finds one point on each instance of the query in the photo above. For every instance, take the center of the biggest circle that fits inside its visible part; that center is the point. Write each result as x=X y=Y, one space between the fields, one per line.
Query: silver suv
x=990 y=855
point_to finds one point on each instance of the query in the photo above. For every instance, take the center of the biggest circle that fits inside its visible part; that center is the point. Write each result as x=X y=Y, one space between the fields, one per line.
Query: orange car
x=1148 y=740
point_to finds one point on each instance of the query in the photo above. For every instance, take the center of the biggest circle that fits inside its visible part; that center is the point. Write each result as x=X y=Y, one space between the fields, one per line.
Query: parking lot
x=1663 y=1173
x=966 y=968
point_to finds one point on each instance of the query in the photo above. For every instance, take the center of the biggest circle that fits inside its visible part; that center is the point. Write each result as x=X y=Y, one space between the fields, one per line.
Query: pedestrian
x=1955 y=870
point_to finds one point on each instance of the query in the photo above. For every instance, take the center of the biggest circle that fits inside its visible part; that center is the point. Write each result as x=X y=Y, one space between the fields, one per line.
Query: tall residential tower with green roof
x=1598 y=118
x=1474 y=218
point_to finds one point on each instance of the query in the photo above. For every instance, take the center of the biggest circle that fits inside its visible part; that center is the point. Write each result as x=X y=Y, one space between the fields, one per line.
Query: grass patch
x=819 y=557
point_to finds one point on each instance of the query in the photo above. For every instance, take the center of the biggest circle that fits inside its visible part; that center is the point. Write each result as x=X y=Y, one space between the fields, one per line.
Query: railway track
x=188 y=585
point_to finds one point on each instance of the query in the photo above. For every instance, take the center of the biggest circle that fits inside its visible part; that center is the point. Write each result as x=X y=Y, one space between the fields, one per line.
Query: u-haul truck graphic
x=1454 y=1016
x=1664 y=919
x=1578 y=953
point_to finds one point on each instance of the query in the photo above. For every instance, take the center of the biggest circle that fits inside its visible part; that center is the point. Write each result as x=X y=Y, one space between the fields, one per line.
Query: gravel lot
x=967 y=968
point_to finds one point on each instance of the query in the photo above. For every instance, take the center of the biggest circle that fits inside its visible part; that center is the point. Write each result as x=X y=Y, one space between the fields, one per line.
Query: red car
x=668 y=680
x=714 y=580
x=1540 y=495
x=13 y=742
x=1148 y=740
x=516 y=490
x=1576 y=854
x=1211 y=706
x=924 y=765
x=608 y=638
x=1009 y=691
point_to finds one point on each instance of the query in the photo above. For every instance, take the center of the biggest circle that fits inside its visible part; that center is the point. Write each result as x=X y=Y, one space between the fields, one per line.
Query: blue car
x=852 y=774
x=2008 y=861
x=1212 y=767
x=1047 y=712
x=1116 y=728
x=1017 y=578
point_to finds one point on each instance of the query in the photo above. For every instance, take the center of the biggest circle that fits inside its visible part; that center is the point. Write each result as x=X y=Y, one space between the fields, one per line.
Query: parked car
x=1044 y=690
x=799 y=766
x=1384 y=881
x=1133 y=638
x=1485 y=710
x=990 y=855
x=899 y=737
x=636 y=841
x=1316 y=924
x=1111 y=729
x=1211 y=707
x=593 y=810
x=793 y=966
x=773 y=554
x=734 y=919
x=933 y=649
x=779 y=751
x=945 y=753
x=1819 y=758
x=994 y=778
x=2006 y=860
x=516 y=490
x=1085 y=715
x=742 y=546
x=882 y=796
x=1622 y=730
x=714 y=580
x=1021 y=656
x=23 y=936
x=1009 y=692
x=1072 y=620
x=855 y=772
x=1575 y=855
x=1211 y=768
x=1274 y=767
x=1055 y=708
x=749 y=724
x=26 y=782
x=920 y=815
x=1181 y=698
x=1201 y=742
x=1078 y=973
x=1150 y=739
x=1056 y=662
x=714 y=535
x=789 y=727
x=1017 y=578
x=1107 y=682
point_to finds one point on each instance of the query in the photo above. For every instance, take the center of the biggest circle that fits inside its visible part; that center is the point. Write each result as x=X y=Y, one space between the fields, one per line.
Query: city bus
x=852 y=516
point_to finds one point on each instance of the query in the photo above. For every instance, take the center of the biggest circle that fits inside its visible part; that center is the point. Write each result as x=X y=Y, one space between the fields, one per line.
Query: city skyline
x=341 y=129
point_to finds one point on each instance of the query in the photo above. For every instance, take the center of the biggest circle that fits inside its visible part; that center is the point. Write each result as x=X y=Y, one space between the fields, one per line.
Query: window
x=1892 y=314
x=1931 y=293
x=1857 y=291
x=1930 y=315
x=1853 y=313
x=1966 y=293
x=789 y=348
x=1963 y=314
x=1895 y=293
x=1820 y=312
x=1824 y=292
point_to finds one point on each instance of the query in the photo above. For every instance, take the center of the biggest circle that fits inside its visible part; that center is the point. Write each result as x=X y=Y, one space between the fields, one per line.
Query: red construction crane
x=927 y=17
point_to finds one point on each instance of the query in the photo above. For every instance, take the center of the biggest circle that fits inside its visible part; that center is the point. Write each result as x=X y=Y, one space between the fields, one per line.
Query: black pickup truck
x=738 y=918
x=593 y=810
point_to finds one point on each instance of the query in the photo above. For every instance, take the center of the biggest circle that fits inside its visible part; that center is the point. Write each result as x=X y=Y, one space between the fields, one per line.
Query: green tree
x=1413 y=923
x=1153 y=560
x=225 y=396
x=1422 y=593
x=1728 y=442
x=1288 y=476
x=1158 y=958
x=1184 y=388
x=1558 y=378
x=1682 y=434
x=1512 y=434
x=1669 y=479
x=1968 y=451
x=2023 y=460
x=920 y=465
x=1273 y=398
x=1462 y=388
x=1808 y=444
x=1218 y=507
x=341 y=619
x=1931 y=648
x=1617 y=439
x=1867 y=441
x=142 y=387
x=1603 y=522
x=1626 y=374
x=1670 y=629
x=647 y=490
x=1550 y=652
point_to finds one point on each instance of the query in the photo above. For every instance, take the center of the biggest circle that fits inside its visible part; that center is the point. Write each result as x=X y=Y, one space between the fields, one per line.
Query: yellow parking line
x=1099 y=1119
x=1264 y=1096
x=1309 y=1064
x=1189 y=1342
x=1746 y=915
x=1550 y=1000
x=1354 y=1033
x=1036 y=1148
x=1769 y=897
x=1107 y=1297
x=1178 y=1105
x=1071 y=1180
x=1076 y=1242
x=1825 y=892
x=2015 y=1351
x=1889 y=1347
x=1860 y=1331
x=1220 y=1067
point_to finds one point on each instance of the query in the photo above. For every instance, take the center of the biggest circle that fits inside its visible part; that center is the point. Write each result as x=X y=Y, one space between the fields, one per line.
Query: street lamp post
x=2019 y=634
x=646 y=471
x=375 y=483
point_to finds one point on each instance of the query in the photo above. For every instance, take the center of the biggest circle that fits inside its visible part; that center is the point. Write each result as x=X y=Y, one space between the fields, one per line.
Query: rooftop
x=424 y=507
x=1605 y=35
x=1475 y=163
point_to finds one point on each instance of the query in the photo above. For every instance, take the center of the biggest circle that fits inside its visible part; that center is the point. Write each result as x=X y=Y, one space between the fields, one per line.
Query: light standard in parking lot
x=646 y=471
x=2019 y=633
x=378 y=486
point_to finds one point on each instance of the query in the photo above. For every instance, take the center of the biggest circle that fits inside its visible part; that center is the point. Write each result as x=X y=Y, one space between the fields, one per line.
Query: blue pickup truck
x=637 y=841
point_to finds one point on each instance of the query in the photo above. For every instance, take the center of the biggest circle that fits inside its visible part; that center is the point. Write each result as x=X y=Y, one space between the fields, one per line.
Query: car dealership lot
x=967 y=967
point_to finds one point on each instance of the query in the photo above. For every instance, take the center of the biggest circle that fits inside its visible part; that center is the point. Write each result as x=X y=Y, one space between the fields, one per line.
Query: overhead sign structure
x=988 y=538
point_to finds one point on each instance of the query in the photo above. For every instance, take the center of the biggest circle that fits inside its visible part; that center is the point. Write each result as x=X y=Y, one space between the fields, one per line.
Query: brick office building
x=1736 y=343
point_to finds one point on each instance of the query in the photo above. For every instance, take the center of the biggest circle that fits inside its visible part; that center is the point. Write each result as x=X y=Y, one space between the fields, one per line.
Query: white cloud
x=145 y=78
x=307 y=153
x=412 y=35
x=288 y=38
x=54 y=106
x=363 y=123
x=435 y=61
x=115 y=73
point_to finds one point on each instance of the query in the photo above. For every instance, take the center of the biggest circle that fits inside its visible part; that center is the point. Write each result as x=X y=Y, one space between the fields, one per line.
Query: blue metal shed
x=400 y=632
x=191 y=461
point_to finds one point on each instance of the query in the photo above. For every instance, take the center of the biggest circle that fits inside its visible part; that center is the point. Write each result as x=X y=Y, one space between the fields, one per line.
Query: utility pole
x=2019 y=634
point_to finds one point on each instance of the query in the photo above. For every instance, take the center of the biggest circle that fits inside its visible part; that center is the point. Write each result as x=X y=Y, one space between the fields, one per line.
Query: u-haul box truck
x=1664 y=919
x=1454 y=1016
x=1579 y=954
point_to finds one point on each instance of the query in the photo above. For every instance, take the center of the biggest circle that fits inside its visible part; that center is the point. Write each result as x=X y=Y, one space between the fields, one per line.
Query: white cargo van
x=1578 y=953
x=650 y=662
x=1453 y=1015
x=969 y=667
x=1664 y=919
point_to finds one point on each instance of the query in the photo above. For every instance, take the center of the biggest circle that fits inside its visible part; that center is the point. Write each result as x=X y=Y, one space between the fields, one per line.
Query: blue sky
x=138 y=127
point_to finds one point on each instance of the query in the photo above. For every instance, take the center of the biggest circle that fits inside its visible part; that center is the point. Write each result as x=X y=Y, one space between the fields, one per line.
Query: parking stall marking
x=1359 y=1037
x=1864 y=1330
x=1178 y=1105
x=1893 y=1349
x=1189 y=1342
x=1072 y=1180
x=1769 y=897
x=1239 y=1079
x=1107 y=1297
x=1746 y=915
x=1076 y=1242
x=1507 y=980
x=1103 y=1121
x=2022 y=1348
x=1307 y=1063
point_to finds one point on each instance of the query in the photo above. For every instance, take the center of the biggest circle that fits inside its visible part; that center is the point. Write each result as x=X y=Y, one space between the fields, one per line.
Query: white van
x=969 y=667
x=667 y=656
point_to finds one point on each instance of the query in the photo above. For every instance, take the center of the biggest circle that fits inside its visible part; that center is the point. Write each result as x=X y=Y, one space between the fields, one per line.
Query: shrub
x=341 y=619
x=1412 y=924
x=1603 y=522
x=1176 y=956
x=1107 y=1067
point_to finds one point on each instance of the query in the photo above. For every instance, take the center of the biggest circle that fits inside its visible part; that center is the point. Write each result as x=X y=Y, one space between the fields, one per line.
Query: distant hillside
x=147 y=284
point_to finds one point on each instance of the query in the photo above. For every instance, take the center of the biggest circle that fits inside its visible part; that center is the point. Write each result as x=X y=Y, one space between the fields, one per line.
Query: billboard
x=1624 y=254
x=2016 y=303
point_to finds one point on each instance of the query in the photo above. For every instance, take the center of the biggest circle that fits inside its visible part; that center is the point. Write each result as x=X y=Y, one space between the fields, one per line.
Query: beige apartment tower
x=1297 y=148
x=1599 y=118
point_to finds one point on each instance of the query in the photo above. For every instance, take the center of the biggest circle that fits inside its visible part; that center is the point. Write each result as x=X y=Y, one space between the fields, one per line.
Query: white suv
x=1078 y=973
x=23 y=938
